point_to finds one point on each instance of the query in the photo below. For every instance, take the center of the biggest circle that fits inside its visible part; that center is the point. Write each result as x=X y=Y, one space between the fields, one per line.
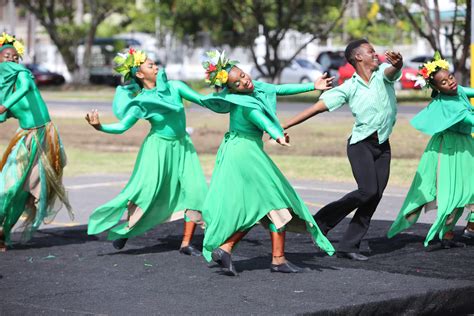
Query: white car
x=298 y=71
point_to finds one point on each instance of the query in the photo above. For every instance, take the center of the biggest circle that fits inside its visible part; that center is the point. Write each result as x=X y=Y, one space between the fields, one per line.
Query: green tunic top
x=253 y=113
x=162 y=106
x=21 y=97
x=447 y=112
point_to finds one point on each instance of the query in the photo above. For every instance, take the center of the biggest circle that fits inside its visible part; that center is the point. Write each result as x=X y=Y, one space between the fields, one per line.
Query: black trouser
x=370 y=163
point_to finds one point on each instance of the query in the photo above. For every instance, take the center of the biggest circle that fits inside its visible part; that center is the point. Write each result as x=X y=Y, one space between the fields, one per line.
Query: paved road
x=88 y=192
x=287 y=107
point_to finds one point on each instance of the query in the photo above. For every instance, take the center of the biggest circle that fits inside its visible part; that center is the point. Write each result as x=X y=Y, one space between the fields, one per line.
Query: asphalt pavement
x=62 y=271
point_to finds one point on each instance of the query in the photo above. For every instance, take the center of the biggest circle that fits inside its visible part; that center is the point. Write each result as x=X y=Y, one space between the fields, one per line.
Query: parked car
x=407 y=81
x=43 y=76
x=330 y=62
x=299 y=70
x=103 y=52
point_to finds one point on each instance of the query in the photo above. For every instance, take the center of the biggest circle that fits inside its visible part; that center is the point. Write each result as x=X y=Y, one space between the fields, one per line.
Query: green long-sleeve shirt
x=254 y=113
x=21 y=96
x=167 y=121
x=453 y=112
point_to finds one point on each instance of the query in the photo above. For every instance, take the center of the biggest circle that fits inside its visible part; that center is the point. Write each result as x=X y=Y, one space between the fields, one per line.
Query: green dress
x=246 y=184
x=444 y=177
x=167 y=178
x=32 y=165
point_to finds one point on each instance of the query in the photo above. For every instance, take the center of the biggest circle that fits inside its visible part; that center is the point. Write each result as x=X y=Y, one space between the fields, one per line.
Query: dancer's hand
x=395 y=58
x=93 y=119
x=284 y=141
x=3 y=109
x=324 y=82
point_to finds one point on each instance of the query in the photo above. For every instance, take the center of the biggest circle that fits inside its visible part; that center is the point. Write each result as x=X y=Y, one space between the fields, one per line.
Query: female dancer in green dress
x=246 y=186
x=32 y=166
x=167 y=179
x=444 y=178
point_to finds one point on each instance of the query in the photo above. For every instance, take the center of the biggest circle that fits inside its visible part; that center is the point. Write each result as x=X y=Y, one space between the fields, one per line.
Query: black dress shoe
x=351 y=255
x=119 y=243
x=224 y=259
x=469 y=234
x=286 y=267
x=190 y=251
x=448 y=244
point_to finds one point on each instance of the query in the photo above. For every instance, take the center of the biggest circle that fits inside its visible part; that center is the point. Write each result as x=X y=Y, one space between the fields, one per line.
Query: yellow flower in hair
x=443 y=64
x=7 y=37
x=222 y=76
x=20 y=49
x=431 y=67
x=2 y=40
x=139 y=57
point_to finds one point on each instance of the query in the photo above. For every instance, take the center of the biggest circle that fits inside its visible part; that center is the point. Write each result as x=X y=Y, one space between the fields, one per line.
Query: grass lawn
x=318 y=147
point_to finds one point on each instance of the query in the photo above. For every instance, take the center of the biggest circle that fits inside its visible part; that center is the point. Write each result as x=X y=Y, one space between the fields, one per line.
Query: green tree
x=64 y=23
x=379 y=24
x=240 y=23
x=427 y=23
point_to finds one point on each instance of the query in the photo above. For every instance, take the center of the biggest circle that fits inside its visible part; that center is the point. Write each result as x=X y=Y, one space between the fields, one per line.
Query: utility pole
x=12 y=16
x=472 y=50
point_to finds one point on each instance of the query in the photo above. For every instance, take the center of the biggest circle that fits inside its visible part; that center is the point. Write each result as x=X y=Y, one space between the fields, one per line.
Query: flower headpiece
x=217 y=68
x=427 y=70
x=128 y=63
x=7 y=40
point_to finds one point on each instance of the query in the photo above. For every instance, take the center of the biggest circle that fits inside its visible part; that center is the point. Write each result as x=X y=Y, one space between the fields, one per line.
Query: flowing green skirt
x=445 y=177
x=167 y=180
x=31 y=180
x=246 y=185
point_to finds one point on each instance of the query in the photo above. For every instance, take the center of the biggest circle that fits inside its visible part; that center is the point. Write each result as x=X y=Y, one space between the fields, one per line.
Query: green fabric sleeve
x=260 y=120
x=24 y=85
x=118 y=128
x=442 y=113
x=336 y=97
x=186 y=92
x=288 y=89
x=469 y=91
x=469 y=119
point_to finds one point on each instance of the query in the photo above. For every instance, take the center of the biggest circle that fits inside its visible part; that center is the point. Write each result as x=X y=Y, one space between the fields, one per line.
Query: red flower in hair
x=210 y=69
x=424 y=72
x=131 y=50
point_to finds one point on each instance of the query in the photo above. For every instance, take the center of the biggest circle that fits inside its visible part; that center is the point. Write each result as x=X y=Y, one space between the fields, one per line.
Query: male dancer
x=371 y=96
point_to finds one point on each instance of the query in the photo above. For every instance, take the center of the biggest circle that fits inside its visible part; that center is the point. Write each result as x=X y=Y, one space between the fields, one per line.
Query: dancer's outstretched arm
x=322 y=83
x=393 y=72
x=258 y=118
x=116 y=128
x=469 y=91
x=186 y=92
x=469 y=119
x=318 y=107
x=25 y=86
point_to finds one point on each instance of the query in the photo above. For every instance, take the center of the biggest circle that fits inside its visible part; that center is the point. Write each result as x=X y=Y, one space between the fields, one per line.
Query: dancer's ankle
x=226 y=247
x=277 y=260
x=448 y=235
